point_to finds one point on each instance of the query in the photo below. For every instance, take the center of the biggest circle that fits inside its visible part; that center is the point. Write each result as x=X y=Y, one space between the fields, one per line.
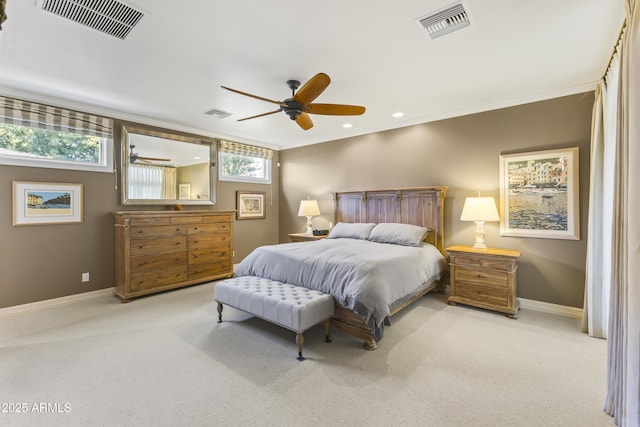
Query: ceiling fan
x=133 y=157
x=300 y=105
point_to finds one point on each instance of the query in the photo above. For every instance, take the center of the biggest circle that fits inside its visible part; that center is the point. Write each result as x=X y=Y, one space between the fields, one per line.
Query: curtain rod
x=615 y=48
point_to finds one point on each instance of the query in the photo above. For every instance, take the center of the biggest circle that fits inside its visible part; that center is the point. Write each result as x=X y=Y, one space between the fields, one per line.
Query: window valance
x=244 y=150
x=32 y=114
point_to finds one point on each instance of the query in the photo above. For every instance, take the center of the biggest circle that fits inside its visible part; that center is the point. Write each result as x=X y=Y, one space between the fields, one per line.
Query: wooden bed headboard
x=422 y=206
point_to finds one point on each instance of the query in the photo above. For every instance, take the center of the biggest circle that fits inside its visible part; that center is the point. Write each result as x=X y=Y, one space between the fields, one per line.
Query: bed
x=377 y=259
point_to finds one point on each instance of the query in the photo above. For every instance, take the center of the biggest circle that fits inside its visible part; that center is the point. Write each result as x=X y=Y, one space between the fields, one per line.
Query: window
x=244 y=163
x=39 y=135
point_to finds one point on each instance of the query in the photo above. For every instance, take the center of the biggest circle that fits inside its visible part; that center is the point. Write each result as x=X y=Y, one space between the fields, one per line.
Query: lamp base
x=479 y=236
x=309 y=226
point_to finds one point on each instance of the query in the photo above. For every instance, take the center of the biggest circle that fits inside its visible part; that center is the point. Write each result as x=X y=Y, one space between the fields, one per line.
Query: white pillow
x=398 y=234
x=356 y=230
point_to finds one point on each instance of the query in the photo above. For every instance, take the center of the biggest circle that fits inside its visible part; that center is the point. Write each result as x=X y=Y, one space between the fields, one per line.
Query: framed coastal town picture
x=539 y=194
x=46 y=203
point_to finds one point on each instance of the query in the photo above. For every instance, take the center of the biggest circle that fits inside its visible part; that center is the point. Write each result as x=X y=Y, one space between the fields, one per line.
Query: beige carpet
x=164 y=361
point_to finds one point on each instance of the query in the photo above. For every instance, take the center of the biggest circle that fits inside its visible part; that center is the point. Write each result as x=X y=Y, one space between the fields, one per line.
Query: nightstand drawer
x=473 y=261
x=496 y=278
x=486 y=294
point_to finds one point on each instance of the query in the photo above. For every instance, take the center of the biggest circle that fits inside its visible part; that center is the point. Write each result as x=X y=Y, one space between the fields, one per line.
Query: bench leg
x=327 y=330
x=300 y=342
x=219 y=312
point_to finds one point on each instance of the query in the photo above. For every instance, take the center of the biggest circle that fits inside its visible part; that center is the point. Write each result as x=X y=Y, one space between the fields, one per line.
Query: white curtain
x=604 y=127
x=151 y=182
x=623 y=344
x=169 y=181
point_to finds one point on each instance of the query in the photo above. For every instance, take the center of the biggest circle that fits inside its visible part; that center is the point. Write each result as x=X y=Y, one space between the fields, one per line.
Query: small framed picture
x=46 y=203
x=539 y=194
x=184 y=191
x=250 y=204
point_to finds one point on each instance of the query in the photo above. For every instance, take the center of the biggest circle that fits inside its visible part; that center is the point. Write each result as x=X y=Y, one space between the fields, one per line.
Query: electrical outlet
x=85 y=277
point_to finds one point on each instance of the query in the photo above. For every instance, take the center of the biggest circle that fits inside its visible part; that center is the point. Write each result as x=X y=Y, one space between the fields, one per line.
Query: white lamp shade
x=479 y=209
x=309 y=208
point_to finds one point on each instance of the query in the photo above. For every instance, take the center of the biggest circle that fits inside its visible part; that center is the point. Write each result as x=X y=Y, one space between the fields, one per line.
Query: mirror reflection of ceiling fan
x=135 y=157
x=300 y=105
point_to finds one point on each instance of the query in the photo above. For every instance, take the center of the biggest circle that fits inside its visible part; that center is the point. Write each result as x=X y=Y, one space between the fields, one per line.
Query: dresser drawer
x=480 y=293
x=212 y=227
x=201 y=219
x=496 y=278
x=150 y=221
x=210 y=269
x=159 y=230
x=200 y=256
x=483 y=262
x=146 y=263
x=151 y=280
x=158 y=245
x=201 y=241
x=219 y=218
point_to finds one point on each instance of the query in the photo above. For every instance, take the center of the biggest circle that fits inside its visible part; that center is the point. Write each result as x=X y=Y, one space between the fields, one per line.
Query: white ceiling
x=169 y=69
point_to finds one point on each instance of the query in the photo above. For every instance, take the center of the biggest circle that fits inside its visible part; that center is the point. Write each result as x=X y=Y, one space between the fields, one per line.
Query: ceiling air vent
x=108 y=16
x=446 y=21
x=221 y=114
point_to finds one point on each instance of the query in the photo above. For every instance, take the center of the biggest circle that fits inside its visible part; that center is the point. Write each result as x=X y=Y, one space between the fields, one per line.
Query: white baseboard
x=55 y=302
x=561 y=310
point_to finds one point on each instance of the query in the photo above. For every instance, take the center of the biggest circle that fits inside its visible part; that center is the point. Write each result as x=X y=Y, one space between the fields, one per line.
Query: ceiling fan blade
x=304 y=121
x=312 y=89
x=157 y=159
x=335 y=109
x=260 y=115
x=282 y=104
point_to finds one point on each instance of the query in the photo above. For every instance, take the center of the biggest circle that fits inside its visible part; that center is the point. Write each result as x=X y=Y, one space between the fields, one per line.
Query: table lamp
x=479 y=209
x=309 y=208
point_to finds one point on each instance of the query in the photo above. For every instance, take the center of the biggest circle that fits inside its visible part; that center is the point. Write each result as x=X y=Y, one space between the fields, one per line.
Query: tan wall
x=198 y=177
x=41 y=262
x=463 y=154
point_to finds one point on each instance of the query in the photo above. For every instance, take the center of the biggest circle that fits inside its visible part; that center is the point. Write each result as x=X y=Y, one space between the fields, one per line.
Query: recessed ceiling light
x=196 y=157
x=398 y=114
x=347 y=125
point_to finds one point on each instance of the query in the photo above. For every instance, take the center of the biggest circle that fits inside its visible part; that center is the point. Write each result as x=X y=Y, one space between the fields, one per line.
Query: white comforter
x=367 y=277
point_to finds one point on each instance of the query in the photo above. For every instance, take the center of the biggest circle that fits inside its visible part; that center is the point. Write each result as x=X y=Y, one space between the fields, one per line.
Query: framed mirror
x=164 y=167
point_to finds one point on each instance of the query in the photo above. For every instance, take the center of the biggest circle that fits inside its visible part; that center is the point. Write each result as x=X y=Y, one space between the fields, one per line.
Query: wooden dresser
x=161 y=250
x=484 y=278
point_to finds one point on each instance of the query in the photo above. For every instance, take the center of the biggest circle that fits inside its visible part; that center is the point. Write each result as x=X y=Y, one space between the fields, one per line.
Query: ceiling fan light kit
x=300 y=105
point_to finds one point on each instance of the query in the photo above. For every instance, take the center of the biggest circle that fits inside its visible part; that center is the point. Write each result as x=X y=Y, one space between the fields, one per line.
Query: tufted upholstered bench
x=292 y=307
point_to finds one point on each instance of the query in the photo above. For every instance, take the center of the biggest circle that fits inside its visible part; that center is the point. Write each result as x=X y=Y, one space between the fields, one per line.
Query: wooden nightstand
x=484 y=278
x=304 y=237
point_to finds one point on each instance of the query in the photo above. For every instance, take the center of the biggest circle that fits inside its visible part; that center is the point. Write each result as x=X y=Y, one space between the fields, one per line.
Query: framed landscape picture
x=46 y=203
x=539 y=194
x=250 y=204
